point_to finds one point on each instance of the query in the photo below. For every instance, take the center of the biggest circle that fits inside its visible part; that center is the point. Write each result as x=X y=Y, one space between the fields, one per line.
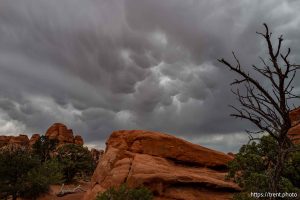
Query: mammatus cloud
x=99 y=66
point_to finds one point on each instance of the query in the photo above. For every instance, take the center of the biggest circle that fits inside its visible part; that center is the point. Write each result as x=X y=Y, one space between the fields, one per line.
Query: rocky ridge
x=57 y=131
x=18 y=140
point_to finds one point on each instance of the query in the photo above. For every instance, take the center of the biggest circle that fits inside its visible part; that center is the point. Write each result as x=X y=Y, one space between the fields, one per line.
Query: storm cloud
x=99 y=65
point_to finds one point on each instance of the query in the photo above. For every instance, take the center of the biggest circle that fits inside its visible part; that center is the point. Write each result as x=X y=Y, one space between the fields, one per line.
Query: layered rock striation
x=171 y=167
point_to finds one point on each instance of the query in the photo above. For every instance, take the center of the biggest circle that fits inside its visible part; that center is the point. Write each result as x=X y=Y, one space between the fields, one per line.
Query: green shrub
x=15 y=163
x=251 y=168
x=43 y=147
x=75 y=159
x=39 y=179
x=23 y=175
x=125 y=193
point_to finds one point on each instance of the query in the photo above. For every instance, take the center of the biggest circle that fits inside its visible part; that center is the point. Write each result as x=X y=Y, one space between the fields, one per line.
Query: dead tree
x=64 y=192
x=267 y=106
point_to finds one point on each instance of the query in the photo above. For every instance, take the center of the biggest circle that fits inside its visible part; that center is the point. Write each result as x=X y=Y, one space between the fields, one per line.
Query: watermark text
x=273 y=195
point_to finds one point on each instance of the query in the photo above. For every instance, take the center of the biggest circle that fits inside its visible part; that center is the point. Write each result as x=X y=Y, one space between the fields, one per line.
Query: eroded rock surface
x=295 y=116
x=294 y=132
x=18 y=140
x=34 y=138
x=171 y=167
x=64 y=135
x=78 y=140
x=4 y=140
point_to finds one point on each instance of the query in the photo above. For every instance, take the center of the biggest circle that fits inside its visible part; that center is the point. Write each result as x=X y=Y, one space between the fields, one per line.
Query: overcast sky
x=104 y=65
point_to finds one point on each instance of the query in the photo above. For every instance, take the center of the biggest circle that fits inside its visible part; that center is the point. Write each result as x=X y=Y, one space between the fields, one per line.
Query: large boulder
x=171 y=167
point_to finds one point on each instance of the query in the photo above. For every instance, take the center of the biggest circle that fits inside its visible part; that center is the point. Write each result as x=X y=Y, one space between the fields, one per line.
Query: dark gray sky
x=103 y=65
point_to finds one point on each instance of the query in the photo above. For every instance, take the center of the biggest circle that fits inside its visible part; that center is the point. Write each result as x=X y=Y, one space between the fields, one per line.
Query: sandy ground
x=56 y=188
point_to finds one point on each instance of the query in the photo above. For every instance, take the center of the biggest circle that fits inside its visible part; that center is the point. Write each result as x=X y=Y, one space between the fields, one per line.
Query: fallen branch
x=64 y=192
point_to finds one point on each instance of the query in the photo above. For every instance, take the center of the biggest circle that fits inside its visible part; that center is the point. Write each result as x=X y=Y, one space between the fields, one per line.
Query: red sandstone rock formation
x=294 y=132
x=295 y=116
x=18 y=140
x=34 y=138
x=78 y=140
x=64 y=135
x=57 y=131
x=60 y=132
x=171 y=167
x=21 y=140
x=4 y=140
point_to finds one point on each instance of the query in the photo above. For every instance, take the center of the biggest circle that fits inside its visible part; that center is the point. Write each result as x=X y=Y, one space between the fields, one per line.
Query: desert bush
x=23 y=175
x=39 y=179
x=75 y=159
x=251 y=168
x=43 y=147
x=15 y=163
x=125 y=193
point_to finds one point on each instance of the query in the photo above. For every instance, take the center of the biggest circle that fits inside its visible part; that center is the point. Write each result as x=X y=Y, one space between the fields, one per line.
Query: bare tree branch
x=267 y=107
